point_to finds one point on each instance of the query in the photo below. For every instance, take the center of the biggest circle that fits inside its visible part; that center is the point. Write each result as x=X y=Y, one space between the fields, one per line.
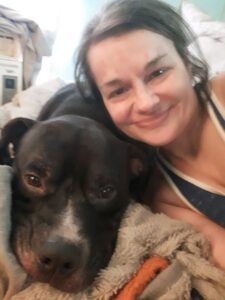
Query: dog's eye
x=33 y=180
x=107 y=191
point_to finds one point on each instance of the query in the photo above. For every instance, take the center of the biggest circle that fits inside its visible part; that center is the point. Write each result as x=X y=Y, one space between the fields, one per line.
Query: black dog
x=71 y=186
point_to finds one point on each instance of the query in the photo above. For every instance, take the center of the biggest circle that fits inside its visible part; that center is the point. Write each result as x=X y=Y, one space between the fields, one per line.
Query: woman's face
x=146 y=87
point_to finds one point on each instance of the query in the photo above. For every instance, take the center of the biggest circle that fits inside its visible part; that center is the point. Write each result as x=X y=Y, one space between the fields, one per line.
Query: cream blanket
x=141 y=234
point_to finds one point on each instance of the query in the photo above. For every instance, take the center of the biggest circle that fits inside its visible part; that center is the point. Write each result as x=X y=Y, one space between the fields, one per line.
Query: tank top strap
x=197 y=195
x=217 y=114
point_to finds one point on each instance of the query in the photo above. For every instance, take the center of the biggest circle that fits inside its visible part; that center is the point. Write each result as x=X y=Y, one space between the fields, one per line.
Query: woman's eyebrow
x=111 y=83
x=154 y=61
x=149 y=64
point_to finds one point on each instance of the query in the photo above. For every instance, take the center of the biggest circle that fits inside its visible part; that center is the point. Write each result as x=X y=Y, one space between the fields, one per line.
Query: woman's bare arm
x=163 y=199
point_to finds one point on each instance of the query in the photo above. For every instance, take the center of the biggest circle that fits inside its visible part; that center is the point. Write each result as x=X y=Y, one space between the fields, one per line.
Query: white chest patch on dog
x=68 y=227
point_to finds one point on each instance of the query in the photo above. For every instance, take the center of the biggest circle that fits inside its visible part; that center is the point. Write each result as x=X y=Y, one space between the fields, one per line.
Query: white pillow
x=210 y=35
x=29 y=102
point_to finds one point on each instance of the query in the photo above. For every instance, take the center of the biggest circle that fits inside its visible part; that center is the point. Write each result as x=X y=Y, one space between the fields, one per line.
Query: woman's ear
x=189 y=68
x=11 y=135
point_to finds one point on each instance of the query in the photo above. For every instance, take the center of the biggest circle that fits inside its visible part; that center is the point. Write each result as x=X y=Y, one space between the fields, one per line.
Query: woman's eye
x=117 y=92
x=155 y=74
x=33 y=180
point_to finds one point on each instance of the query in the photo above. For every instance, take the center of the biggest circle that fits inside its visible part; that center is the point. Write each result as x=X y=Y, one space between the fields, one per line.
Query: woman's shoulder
x=159 y=193
x=217 y=85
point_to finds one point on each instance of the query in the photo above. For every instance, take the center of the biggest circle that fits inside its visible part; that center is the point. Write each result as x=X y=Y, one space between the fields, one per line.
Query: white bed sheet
x=210 y=36
x=28 y=103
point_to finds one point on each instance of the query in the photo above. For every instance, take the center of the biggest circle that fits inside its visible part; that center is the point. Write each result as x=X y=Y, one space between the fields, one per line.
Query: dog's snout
x=57 y=257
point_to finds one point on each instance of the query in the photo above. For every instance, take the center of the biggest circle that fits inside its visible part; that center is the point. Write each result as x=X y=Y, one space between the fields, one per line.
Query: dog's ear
x=11 y=135
x=141 y=162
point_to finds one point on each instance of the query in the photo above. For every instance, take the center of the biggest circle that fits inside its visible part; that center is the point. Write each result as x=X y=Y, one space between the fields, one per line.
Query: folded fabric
x=33 y=43
x=142 y=236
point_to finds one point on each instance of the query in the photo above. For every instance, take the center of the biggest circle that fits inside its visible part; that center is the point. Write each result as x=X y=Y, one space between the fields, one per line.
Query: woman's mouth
x=153 y=121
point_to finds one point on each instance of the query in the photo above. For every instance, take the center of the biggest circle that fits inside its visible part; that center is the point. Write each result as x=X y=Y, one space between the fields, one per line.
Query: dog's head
x=70 y=189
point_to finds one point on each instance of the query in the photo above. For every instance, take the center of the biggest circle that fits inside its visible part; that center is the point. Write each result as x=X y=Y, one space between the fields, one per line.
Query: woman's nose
x=146 y=99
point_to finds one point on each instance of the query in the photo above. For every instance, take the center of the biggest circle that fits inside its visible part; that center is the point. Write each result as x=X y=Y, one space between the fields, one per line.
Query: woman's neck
x=188 y=145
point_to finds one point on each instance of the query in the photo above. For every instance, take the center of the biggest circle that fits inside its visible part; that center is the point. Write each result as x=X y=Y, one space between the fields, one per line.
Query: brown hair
x=121 y=16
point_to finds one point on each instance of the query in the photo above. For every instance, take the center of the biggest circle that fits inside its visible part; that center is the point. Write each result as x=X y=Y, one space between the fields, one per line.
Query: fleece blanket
x=142 y=234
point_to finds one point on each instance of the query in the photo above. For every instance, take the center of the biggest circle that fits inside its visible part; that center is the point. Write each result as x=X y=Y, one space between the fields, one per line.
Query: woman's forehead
x=133 y=50
x=139 y=38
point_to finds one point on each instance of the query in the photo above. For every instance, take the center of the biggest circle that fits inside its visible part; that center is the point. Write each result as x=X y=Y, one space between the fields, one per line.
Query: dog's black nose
x=58 y=256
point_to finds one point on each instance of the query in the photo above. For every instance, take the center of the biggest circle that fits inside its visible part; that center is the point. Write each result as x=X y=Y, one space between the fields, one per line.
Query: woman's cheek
x=117 y=111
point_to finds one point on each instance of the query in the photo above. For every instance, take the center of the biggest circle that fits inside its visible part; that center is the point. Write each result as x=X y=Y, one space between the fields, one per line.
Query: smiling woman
x=145 y=94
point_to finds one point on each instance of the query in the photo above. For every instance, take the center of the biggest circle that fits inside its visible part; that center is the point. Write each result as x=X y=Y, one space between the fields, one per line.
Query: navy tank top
x=197 y=195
